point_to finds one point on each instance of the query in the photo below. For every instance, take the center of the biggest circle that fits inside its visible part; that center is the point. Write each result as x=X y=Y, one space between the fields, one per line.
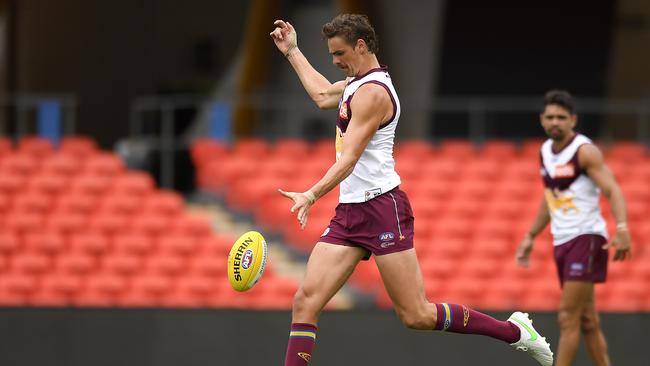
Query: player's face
x=344 y=56
x=557 y=122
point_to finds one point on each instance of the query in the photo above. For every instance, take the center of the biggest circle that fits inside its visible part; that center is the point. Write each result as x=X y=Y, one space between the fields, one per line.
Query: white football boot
x=531 y=342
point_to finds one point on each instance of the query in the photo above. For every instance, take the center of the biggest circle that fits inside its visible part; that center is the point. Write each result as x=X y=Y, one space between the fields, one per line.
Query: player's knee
x=589 y=323
x=414 y=319
x=303 y=302
x=568 y=318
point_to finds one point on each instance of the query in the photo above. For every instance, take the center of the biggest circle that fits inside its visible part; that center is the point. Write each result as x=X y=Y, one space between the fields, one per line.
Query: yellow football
x=247 y=260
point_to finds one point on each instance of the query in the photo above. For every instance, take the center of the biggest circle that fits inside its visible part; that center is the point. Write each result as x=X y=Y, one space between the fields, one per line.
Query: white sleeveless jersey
x=572 y=196
x=374 y=173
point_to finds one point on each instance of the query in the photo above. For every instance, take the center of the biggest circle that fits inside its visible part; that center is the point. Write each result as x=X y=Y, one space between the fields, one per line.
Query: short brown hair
x=352 y=27
x=561 y=98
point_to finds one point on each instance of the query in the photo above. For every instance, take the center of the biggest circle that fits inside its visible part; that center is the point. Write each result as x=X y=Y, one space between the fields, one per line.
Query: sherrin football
x=247 y=260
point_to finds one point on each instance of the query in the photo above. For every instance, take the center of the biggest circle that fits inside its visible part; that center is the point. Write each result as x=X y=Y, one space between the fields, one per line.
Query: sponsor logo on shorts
x=576 y=269
x=387 y=236
x=386 y=245
x=304 y=356
x=247 y=260
x=327 y=231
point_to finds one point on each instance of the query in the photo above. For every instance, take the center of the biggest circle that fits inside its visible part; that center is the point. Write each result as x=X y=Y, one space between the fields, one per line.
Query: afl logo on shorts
x=387 y=236
x=247 y=259
x=343 y=111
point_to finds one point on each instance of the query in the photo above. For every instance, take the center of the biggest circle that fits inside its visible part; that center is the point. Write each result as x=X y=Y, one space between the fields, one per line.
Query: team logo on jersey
x=304 y=356
x=343 y=111
x=565 y=171
x=558 y=200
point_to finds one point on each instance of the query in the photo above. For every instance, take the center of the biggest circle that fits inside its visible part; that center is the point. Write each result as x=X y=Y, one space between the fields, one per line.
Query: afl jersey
x=374 y=173
x=572 y=197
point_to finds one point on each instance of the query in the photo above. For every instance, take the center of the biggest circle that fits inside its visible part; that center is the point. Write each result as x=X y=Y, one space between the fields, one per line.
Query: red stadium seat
x=134 y=183
x=166 y=264
x=164 y=202
x=133 y=243
x=50 y=184
x=11 y=184
x=20 y=284
x=251 y=147
x=37 y=202
x=48 y=242
x=67 y=222
x=19 y=164
x=58 y=289
x=121 y=263
x=109 y=223
x=35 y=146
x=628 y=151
x=76 y=263
x=80 y=147
x=483 y=170
x=32 y=263
x=61 y=165
x=91 y=184
x=9 y=241
x=206 y=149
x=179 y=245
x=6 y=146
x=500 y=150
x=192 y=225
x=294 y=149
x=93 y=243
x=24 y=222
x=457 y=149
x=104 y=164
x=120 y=203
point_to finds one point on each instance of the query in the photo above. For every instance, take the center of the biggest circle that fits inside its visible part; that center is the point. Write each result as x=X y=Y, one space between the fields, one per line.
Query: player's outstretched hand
x=524 y=250
x=302 y=203
x=622 y=243
x=285 y=37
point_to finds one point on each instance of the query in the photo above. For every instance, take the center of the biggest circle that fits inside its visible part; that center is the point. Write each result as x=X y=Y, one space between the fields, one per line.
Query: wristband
x=621 y=226
x=310 y=196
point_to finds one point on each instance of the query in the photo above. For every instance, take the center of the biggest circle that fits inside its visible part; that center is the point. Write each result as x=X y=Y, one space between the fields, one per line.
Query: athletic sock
x=301 y=343
x=461 y=319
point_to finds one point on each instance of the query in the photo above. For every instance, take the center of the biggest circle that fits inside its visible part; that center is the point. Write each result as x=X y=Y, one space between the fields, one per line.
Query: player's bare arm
x=325 y=94
x=372 y=107
x=542 y=219
x=591 y=159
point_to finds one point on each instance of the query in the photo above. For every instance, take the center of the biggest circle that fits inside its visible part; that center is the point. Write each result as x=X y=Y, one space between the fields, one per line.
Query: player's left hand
x=302 y=203
x=622 y=243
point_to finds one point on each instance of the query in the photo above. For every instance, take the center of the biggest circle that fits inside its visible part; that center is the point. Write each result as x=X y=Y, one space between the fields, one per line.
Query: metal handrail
x=296 y=105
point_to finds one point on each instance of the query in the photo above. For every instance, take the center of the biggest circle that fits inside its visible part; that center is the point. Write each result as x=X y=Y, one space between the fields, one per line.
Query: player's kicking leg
x=403 y=281
x=328 y=268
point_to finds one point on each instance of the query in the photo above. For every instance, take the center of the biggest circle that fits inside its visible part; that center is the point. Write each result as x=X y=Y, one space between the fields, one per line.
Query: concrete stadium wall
x=93 y=337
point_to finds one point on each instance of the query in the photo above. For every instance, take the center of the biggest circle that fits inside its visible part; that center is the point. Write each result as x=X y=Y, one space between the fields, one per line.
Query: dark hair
x=561 y=98
x=352 y=27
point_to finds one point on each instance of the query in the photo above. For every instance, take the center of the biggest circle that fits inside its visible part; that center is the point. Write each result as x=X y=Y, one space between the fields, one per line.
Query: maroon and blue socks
x=301 y=344
x=461 y=319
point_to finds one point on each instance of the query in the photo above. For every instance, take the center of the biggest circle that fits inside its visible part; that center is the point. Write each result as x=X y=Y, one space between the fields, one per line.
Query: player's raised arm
x=591 y=159
x=325 y=94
